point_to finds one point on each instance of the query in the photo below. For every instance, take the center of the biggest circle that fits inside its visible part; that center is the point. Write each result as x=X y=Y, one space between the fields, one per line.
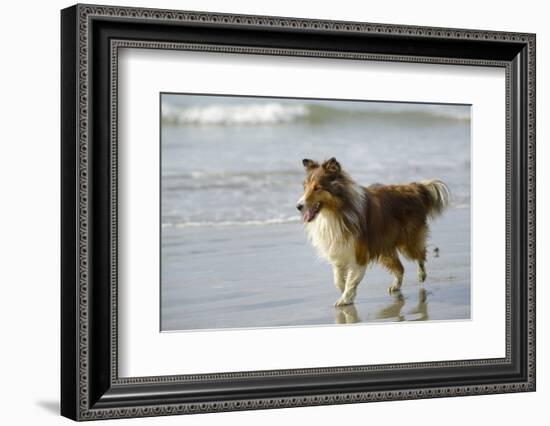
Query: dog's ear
x=309 y=164
x=332 y=166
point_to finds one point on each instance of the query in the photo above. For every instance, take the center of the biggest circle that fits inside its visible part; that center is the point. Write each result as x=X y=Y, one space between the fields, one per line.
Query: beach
x=269 y=276
x=234 y=252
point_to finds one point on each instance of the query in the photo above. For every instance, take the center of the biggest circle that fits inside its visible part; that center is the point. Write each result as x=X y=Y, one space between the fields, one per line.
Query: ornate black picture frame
x=90 y=385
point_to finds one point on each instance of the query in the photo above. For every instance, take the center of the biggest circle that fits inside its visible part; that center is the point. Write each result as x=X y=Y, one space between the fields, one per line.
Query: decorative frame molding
x=91 y=388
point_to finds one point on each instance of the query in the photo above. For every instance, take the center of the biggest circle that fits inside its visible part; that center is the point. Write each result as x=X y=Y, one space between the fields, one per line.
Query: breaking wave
x=273 y=113
x=222 y=223
x=223 y=115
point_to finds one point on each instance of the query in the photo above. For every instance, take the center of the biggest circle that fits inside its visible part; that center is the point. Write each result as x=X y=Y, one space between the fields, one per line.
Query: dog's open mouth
x=310 y=213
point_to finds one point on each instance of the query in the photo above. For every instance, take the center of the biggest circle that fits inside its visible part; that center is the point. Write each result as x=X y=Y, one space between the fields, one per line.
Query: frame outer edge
x=531 y=200
x=84 y=193
x=68 y=183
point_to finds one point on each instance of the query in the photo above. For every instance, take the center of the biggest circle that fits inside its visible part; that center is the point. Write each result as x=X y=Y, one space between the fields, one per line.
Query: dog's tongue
x=310 y=214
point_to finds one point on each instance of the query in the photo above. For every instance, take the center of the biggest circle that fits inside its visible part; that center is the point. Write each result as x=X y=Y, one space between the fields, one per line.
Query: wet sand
x=269 y=276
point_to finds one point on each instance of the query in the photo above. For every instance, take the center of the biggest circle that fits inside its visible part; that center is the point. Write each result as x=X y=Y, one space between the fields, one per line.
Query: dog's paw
x=343 y=301
x=394 y=288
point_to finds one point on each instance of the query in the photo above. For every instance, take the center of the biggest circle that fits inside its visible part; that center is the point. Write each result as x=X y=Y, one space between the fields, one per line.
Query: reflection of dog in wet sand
x=346 y=315
x=352 y=226
x=393 y=310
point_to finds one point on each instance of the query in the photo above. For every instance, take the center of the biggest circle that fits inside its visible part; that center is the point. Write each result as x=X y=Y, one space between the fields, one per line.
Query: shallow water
x=233 y=251
x=268 y=276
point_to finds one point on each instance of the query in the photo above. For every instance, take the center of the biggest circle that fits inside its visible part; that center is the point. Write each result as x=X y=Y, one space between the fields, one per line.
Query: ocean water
x=232 y=161
x=233 y=254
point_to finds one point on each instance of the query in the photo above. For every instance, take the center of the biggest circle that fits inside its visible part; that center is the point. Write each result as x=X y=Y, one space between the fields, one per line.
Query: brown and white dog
x=352 y=226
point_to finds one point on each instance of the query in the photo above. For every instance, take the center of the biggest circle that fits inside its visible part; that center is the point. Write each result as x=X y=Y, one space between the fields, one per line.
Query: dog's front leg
x=354 y=277
x=340 y=272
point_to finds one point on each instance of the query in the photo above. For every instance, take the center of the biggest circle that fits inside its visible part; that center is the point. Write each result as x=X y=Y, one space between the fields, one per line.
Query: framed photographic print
x=263 y=212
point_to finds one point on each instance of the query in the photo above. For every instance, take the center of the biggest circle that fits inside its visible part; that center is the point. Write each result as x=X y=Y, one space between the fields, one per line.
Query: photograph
x=286 y=212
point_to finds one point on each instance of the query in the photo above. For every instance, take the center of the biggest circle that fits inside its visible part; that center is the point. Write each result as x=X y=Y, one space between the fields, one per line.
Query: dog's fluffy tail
x=438 y=194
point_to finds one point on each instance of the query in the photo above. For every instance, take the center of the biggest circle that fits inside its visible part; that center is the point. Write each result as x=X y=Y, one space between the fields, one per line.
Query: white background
x=146 y=352
x=29 y=222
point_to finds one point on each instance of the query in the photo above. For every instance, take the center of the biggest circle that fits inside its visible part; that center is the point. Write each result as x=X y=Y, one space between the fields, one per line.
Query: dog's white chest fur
x=327 y=234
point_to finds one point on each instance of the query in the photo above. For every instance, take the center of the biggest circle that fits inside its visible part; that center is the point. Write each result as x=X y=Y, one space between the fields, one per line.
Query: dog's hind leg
x=421 y=272
x=394 y=265
x=415 y=249
x=354 y=277
x=340 y=272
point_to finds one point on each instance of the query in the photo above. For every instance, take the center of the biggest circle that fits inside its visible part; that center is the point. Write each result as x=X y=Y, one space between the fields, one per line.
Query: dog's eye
x=317 y=188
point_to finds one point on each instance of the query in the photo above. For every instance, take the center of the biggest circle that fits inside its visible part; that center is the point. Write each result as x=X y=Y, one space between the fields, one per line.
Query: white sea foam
x=264 y=113
x=270 y=113
x=197 y=224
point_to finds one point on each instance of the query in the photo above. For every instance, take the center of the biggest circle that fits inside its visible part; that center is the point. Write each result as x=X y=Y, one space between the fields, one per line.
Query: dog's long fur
x=352 y=226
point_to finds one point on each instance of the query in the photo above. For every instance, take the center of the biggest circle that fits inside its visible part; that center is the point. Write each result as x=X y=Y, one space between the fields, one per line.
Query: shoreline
x=269 y=276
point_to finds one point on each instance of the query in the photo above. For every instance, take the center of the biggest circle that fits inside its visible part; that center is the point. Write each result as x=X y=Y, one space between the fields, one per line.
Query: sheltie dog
x=352 y=226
